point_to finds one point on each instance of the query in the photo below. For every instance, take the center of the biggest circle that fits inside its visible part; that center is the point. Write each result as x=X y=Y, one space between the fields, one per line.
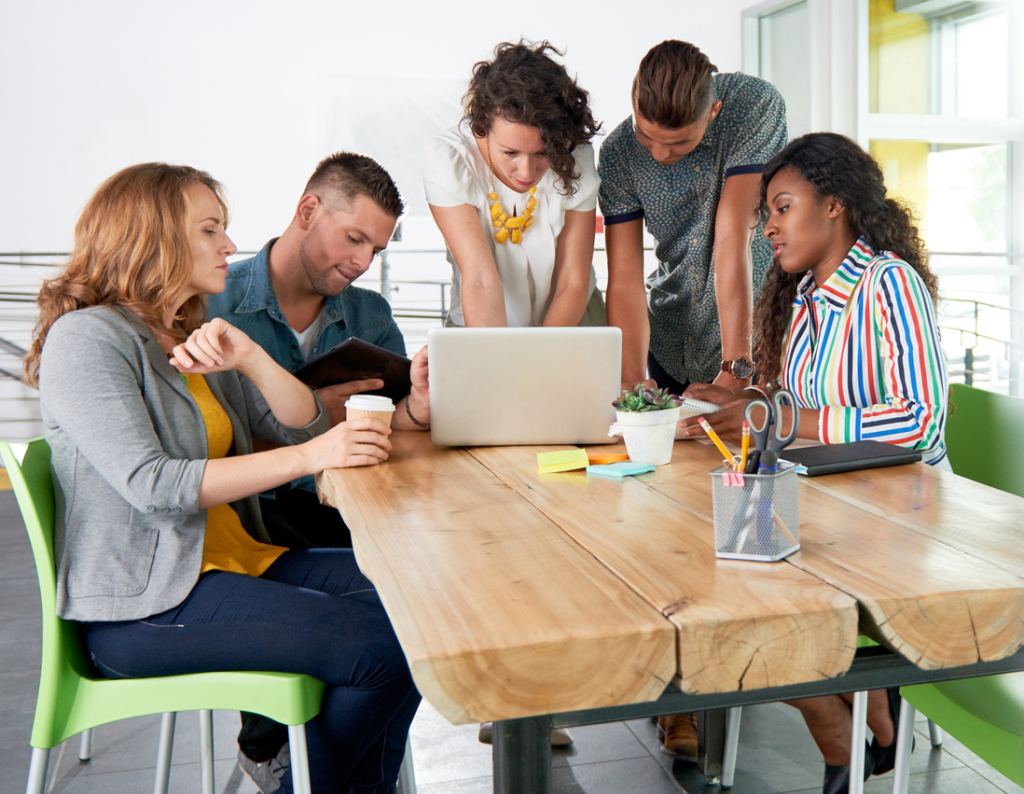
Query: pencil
x=745 y=447
x=714 y=437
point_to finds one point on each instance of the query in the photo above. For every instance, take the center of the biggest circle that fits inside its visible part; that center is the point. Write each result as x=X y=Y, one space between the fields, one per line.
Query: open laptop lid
x=508 y=386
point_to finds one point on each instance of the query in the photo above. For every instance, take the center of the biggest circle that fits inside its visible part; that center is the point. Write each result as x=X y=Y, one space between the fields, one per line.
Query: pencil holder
x=757 y=516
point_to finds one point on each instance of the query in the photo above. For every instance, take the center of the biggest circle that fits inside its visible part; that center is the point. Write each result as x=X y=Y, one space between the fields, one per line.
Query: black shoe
x=885 y=757
x=837 y=778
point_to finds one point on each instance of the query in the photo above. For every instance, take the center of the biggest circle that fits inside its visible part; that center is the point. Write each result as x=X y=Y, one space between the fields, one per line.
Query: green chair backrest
x=985 y=437
x=64 y=662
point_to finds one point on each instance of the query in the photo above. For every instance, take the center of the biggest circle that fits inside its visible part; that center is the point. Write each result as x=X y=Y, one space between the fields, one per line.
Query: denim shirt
x=248 y=303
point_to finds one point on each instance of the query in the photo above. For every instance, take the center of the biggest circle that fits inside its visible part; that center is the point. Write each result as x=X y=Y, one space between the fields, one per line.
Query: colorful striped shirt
x=864 y=349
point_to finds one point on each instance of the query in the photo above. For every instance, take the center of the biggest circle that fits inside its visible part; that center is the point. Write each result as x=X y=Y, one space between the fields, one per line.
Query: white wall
x=257 y=91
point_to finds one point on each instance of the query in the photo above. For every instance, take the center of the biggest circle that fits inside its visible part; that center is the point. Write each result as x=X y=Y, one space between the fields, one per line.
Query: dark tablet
x=835 y=458
x=355 y=359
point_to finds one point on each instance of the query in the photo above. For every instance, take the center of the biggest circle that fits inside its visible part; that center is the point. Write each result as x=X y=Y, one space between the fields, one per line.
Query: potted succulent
x=646 y=419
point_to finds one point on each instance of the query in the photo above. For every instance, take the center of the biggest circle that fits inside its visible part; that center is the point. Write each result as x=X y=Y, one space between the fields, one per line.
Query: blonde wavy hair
x=132 y=249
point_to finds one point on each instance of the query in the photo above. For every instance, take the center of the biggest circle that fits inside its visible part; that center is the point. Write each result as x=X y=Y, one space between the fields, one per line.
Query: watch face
x=742 y=368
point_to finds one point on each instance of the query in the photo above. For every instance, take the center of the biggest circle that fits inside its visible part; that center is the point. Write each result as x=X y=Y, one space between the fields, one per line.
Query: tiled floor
x=776 y=752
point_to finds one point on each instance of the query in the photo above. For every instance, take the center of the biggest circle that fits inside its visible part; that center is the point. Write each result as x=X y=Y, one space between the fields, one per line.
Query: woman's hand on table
x=359 y=442
x=215 y=346
x=726 y=422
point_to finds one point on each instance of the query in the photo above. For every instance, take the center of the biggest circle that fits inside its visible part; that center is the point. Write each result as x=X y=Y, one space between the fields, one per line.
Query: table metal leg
x=522 y=756
x=711 y=743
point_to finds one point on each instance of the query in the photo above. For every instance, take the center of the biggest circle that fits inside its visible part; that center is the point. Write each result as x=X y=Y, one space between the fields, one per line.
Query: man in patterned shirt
x=688 y=162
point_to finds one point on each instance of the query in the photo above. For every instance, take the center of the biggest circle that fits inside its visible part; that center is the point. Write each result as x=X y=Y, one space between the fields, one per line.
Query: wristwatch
x=741 y=368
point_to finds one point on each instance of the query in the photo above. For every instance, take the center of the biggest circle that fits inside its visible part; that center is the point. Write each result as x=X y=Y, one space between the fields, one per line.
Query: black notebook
x=355 y=359
x=835 y=458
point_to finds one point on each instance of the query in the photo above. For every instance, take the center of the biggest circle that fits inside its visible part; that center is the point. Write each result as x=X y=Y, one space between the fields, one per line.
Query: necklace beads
x=511 y=228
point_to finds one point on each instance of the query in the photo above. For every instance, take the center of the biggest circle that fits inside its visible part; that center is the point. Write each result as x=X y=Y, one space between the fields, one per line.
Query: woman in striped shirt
x=846 y=321
x=846 y=316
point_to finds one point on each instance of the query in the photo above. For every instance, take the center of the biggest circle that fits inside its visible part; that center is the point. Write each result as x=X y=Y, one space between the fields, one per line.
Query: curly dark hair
x=836 y=166
x=525 y=86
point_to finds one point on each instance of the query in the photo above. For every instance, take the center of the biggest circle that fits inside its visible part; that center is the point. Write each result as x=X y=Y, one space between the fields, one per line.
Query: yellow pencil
x=745 y=447
x=714 y=437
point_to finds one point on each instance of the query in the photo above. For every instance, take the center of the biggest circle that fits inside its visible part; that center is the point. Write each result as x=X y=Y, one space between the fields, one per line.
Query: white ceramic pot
x=649 y=435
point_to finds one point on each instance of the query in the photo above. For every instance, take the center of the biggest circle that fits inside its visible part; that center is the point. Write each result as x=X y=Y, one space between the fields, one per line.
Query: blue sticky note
x=623 y=469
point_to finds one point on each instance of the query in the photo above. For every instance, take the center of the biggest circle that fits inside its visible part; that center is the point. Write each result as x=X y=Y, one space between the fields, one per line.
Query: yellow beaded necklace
x=508 y=228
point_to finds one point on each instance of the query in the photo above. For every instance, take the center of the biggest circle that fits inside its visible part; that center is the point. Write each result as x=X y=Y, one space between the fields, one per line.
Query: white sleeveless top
x=455 y=172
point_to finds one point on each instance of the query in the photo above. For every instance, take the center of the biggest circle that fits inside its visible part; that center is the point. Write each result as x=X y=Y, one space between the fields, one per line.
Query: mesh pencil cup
x=757 y=516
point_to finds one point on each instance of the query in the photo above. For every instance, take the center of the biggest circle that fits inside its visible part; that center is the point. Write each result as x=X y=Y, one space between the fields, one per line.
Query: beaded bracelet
x=415 y=421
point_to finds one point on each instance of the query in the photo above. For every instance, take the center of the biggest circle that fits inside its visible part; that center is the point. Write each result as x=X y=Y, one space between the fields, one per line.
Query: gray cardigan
x=128 y=451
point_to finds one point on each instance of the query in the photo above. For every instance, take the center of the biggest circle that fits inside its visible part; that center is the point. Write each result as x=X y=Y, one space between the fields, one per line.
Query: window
x=775 y=59
x=943 y=120
x=935 y=91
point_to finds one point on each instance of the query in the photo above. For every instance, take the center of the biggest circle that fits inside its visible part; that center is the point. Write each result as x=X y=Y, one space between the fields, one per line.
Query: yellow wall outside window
x=898 y=54
x=905 y=165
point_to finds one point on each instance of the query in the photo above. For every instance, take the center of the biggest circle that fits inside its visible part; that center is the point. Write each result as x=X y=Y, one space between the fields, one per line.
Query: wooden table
x=518 y=595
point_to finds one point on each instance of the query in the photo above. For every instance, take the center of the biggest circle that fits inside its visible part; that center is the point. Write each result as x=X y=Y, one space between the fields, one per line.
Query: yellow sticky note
x=566 y=460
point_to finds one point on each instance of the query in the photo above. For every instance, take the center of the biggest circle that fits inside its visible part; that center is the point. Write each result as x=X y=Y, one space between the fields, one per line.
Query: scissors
x=769 y=440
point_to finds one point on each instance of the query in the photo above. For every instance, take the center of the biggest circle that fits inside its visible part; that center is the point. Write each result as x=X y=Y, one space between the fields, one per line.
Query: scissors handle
x=761 y=428
x=780 y=398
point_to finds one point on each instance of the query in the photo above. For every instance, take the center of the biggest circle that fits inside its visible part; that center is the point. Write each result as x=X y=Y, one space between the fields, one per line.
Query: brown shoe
x=560 y=737
x=678 y=734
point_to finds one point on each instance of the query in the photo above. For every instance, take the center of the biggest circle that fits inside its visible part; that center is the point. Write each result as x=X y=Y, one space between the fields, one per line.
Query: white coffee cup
x=370 y=405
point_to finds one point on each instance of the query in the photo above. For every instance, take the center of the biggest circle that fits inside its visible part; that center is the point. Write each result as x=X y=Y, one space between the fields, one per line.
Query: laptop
x=512 y=386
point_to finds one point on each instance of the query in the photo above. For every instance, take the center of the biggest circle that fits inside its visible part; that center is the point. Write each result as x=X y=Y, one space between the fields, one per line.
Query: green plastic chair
x=984 y=434
x=74 y=698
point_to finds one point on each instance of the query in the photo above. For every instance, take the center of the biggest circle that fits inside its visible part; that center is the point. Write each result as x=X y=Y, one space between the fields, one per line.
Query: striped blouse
x=864 y=349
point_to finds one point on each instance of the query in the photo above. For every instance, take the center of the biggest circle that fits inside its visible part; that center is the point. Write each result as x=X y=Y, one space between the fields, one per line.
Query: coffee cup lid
x=369 y=402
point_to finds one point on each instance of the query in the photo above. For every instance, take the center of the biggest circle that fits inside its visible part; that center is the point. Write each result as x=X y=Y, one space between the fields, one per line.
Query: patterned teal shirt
x=679 y=203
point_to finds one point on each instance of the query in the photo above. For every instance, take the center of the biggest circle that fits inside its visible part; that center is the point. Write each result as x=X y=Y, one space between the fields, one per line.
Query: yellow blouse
x=227 y=546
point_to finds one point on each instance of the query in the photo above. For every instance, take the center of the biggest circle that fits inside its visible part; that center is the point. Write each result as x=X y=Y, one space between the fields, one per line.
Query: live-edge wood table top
x=516 y=593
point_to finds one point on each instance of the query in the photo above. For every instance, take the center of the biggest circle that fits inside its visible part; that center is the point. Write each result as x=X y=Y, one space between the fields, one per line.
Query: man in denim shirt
x=294 y=299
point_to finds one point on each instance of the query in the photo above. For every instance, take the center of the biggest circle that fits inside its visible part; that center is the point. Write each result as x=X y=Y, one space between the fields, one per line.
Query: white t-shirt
x=455 y=172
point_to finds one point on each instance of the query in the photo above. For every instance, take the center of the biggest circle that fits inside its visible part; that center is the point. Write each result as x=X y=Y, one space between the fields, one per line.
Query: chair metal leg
x=905 y=744
x=206 y=751
x=85 y=747
x=935 y=734
x=163 y=753
x=406 y=774
x=37 y=771
x=300 y=759
x=732 y=745
x=858 y=737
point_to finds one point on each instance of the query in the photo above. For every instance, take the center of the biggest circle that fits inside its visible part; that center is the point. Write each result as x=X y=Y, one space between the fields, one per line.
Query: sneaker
x=678 y=734
x=560 y=737
x=267 y=775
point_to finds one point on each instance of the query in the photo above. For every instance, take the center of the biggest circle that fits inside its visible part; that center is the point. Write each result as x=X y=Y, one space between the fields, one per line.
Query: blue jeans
x=311 y=612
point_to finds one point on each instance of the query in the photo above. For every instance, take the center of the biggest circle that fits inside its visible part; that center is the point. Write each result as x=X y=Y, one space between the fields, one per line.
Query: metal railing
x=975 y=365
